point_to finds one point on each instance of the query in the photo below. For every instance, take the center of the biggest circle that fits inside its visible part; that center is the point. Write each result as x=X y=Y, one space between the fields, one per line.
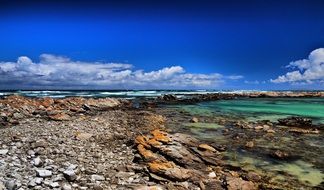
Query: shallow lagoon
x=307 y=169
x=262 y=108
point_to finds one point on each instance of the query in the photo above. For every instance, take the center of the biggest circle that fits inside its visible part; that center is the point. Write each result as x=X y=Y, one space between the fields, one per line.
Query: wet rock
x=249 y=144
x=259 y=127
x=252 y=176
x=271 y=131
x=234 y=183
x=194 y=120
x=206 y=147
x=304 y=131
x=169 y=97
x=295 y=122
x=278 y=154
x=43 y=173
x=266 y=127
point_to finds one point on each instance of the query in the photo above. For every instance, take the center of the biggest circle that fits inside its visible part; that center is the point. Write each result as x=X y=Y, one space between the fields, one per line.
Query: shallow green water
x=262 y=108
x=307 y=168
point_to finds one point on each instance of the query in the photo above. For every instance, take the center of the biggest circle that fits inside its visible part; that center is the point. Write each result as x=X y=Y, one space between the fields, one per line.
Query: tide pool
x=253 y=109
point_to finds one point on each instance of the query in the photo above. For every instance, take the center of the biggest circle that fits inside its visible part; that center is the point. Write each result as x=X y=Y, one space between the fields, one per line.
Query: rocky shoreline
x=195 y=98
x=79 y=143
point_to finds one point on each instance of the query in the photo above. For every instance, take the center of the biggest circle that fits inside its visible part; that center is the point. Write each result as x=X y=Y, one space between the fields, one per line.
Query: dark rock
x=70 y=175
x=169 y=97
x=295 y=122
x=278 y=154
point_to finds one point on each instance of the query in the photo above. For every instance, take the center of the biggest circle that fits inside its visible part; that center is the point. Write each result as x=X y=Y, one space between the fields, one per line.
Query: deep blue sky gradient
x=255 y=39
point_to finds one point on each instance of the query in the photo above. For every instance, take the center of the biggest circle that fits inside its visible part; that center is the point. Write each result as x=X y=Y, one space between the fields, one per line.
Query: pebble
x=97 y=177
x=212 y=175
x=66 y=187
x=3 y=151
x=258 y=127
x=70 y=175
x=2 y=187
x=11 y=185
x=37 y=161
x=43 y=173
x=55 y=184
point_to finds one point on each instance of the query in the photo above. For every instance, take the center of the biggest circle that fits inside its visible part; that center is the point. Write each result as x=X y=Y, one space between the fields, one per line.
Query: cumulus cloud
x=305 y=71
x=61 y=72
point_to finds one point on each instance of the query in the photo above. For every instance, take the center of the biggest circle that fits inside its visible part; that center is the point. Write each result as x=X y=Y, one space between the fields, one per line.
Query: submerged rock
x=296 y=122
x=249 y=144
x=194 y=120
x=278 y=154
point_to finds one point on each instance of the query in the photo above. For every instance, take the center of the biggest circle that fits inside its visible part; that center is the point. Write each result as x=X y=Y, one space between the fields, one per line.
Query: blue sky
x=162 y=44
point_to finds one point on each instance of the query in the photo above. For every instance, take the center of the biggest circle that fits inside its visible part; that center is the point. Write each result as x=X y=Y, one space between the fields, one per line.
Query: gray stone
x=43 y=173
x=3 y=151
x=66 y=187
x=72 y=167
x=37 y=162
x=40 y=143
x=11 y=185
x=32 y=183
x=38 y=180
x=55 y=185
x=70 y=175
x=2 y=187
x=30 y=152
x=97 y=177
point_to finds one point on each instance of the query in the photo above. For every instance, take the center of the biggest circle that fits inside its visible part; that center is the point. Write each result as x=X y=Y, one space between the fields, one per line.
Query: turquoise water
x=305 y=171
x=262 y=108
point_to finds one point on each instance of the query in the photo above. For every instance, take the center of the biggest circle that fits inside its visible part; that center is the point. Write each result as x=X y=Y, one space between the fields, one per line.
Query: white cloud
x=306 y=71
x=252 y=82
x=61 y=72
x=235 y=77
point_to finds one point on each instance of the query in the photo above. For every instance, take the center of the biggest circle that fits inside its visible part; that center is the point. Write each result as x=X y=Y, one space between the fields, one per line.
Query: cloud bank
x=61 y=72
x=305 y=71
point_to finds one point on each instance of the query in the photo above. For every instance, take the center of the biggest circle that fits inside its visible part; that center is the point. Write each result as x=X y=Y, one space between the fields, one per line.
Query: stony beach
x=86 y=143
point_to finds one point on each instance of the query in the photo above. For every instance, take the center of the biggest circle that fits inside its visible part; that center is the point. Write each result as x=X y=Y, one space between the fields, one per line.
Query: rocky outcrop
x=15 y=108
x=181 y=158
x=194 y=98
